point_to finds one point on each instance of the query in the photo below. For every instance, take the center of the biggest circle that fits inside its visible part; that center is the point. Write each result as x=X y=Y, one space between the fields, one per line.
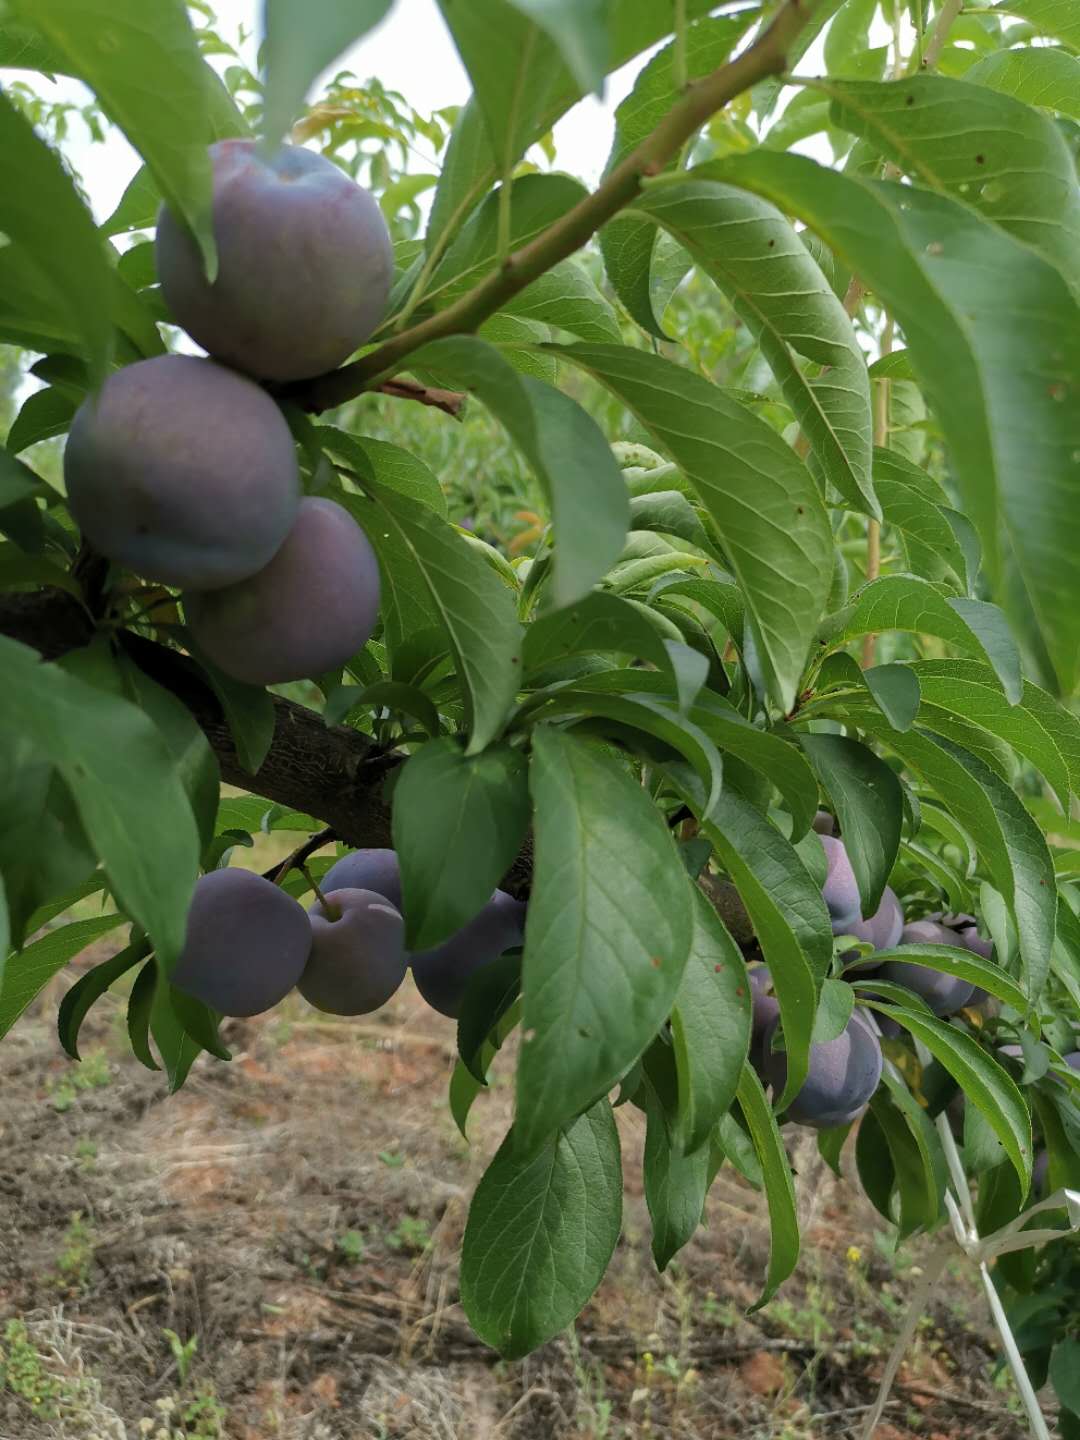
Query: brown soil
x=298 y=1213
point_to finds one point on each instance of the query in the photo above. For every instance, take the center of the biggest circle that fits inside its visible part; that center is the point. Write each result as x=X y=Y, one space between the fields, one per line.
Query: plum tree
x=183 y=471
x=305 y=263
x=376 y=870
x=441 y=974
x=357 y=956
x=843 y=1075
x=945 y=994
x=308 y=611
x=246 y=946
x=841 y=890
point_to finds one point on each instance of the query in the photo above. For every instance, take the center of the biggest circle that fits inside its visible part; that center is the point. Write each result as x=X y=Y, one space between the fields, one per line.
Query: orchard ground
x=298 y=1213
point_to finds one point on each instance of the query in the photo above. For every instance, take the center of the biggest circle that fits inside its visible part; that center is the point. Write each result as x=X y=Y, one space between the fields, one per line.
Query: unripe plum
x=305 y=263
x=945 y=994
x=376 y=870
x=247 y=943
x=183 y=471
x=311 y=609
x=843 y=1075
x=442 y=974
x=841 y=890
x=357 y=953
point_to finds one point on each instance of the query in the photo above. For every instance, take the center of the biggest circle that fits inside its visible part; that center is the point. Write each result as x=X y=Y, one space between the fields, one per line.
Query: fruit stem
x=331 y=910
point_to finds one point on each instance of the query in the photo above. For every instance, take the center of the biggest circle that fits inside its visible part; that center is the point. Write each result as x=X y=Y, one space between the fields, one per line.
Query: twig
x=450 y=402
x=948 y=13
x=702 y=99
x=301 y=855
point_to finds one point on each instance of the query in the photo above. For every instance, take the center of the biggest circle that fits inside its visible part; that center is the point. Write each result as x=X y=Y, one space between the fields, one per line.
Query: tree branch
x=702 y=99
x=450 y=402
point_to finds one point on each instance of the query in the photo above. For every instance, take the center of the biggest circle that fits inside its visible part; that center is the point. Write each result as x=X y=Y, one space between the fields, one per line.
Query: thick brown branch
x=448 y=401
x=702 y=99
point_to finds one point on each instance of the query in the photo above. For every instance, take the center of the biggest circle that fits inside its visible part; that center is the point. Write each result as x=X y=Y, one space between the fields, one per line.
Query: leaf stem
x=702 y=99
x=881 y=436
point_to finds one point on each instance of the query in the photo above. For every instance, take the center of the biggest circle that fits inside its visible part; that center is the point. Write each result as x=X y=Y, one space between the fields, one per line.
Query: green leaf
x=675 y=1183
x=834 y=1011
x=628 y=243
x=788 y=914
x=1039 y=76
x=44 y=414
x=983 y=1081
x=89 y=988
x=752 y=252
x=579 y=31
x=994 y=334
x=458 y=825
x=869 y=804
x=760 y=496
x=710 y=1027
x=540 y=1234
x=913 y=504
x=544 y=88
x=904 y=602
x=19 y=570
x=1004 y=158
x=248 y=709
x=144 y=66
x=566 y=449
x=491 y=995
x=41 y=211
x=140 y=1004
x=1055 y=18
x=873 y=1160
x=474 y=607
x=1037 y=727
x=123 y=783
x=383 y=694
x=919 y=1186
x=27 y=974
x=607 y=937
x=177 y=1048
x=301 y=40
x=1065 y=1373
x=779 y=1187
x=951 y=960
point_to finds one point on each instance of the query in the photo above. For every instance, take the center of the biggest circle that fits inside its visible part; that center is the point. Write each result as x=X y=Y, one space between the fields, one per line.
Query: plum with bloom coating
x=945 y=994
x=357 y=956
x=843 y=1075
x=841 y=890
x=373 y=869
x=442 y=974
x=305 y=263
x=883 y=929
x=247 y=943
x=310 y=610
x=764 y=1010
x=183 y=471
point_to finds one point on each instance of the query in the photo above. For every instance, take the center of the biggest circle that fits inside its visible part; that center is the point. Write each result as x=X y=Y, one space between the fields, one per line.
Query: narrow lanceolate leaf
x=1037 y=727
x=41 y=212
x=474 y=607
x=89 y=988
x=752 y=252
x=27 y=973
x=567 y=450
x=1038 y=76
x=628 y=243
x=779 y=1187
x=540 y=1234
x=916 y=1181
x=143 y=64
x=950 y=960
x=675 y=1183
x=997 y=154
x=983 y=1081
x=994 y=334
x=759 y=494
x=607 y=937
x=906 y=602
x=789 y=916
x=710 y=1027
x=124 y=785
x=913 y=504
x=1010 y=843
x=869 y=805
x=301 y=40
x=1057 y=19
x=458 y=824
x=543 y=89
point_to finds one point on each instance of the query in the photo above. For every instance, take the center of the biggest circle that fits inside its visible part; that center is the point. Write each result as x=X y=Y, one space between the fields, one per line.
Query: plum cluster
x=845 y=1072
x=184 y=470
x=249 y=943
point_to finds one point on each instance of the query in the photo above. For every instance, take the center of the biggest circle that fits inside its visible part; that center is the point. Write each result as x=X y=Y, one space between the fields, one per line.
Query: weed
x=183 y=1352
x=86 y=1152
x=76 y=1254
x=410 y=1233
x=92 y=1074
x=22 y=1372
x=352 y=1245
x=392 y=1158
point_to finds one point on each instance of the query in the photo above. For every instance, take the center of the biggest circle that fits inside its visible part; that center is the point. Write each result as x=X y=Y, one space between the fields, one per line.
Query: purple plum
x=247 y=943
x=311 y=609
x=843 y=1075
x=442 y=974
x=884 y=927
x=765 y=1009
x=183 y=471
x=358 y=955
x=945 y=994
x=840 y=891
x=305 y=263
x=376 y=870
